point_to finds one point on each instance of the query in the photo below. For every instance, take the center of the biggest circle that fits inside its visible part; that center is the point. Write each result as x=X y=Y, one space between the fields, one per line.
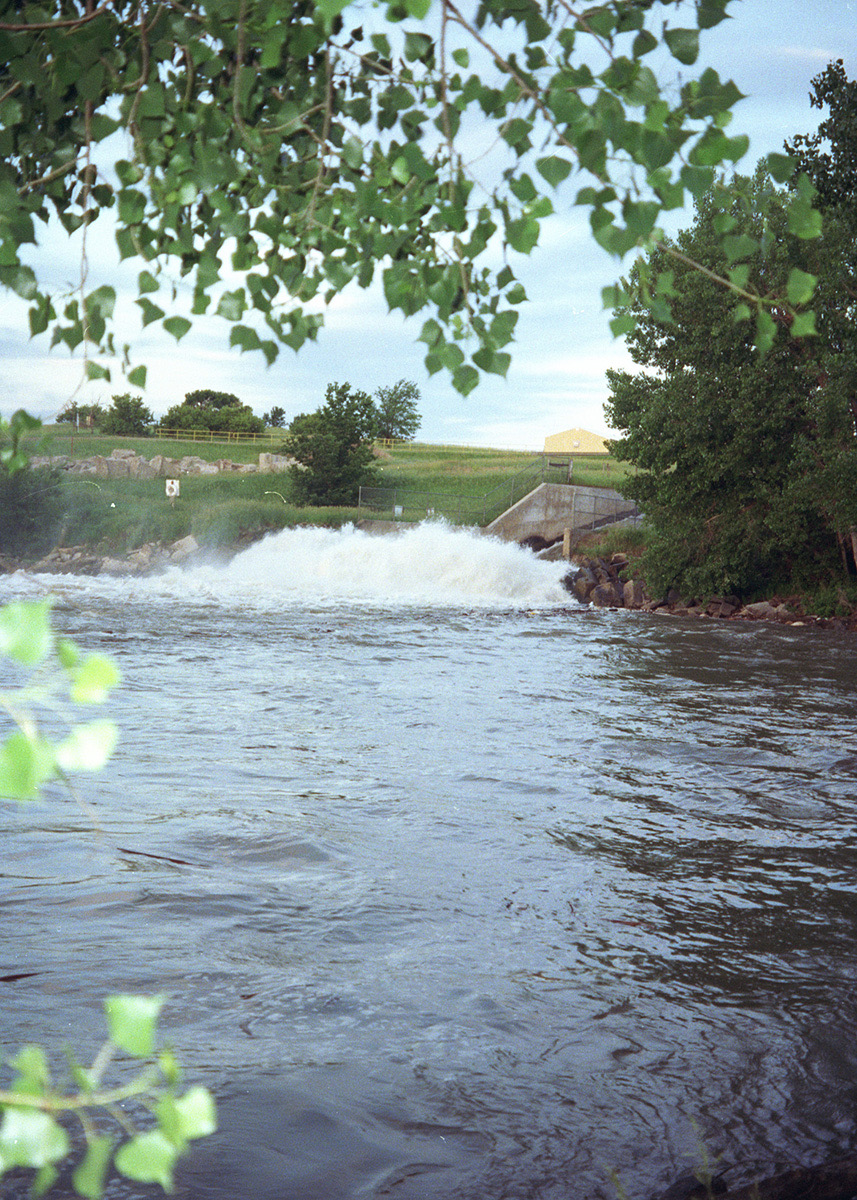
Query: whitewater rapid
x=432 y=564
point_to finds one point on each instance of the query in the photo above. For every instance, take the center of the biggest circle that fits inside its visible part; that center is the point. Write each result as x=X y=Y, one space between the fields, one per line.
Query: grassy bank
x=421 y=467
x=117 y=515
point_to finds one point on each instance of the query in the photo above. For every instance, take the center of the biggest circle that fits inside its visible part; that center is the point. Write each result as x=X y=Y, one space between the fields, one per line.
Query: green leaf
x=400 y=170
x=697 y=180
x=738 y=246
x=95 y=370
x=245 y=337
x=148 y=1158
x=622 y=324
x=132 y=1022
x=30 y=1139
x=177 y=326
x=151 y=312
x=804 y=221
x=464 y=379
x=146 y=282
x=89 y=1176
x=462 y=58
x=101 y=302
x=781 y=167
x=87 y=747
x=31 y=1063
x=25 y=631
x=417 y=8
x=644 y=43
x=232 y=305
x=710 y=13
x=683 y=44
x=137 y=377
x=186 y=1117
x=554 y=169
x=801 y=286
x=804 y=325
x=418 y=46
x=187 y=193
x=522 y=234
x=724 y=222
x=766 y=331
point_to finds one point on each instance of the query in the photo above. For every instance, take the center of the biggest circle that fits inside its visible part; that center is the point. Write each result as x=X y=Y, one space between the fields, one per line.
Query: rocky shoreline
x=149 y=559
x=613 y=583
x=593 y=581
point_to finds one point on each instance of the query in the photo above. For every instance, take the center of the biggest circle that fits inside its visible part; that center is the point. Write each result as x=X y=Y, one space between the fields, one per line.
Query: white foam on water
x=429 y=564
x=432 y=563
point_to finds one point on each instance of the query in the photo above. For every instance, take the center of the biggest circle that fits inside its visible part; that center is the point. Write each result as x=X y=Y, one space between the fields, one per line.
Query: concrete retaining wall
x=553 y=507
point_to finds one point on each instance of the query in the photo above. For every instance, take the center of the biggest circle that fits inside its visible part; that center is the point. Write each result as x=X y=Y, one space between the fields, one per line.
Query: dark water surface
x=454 y=901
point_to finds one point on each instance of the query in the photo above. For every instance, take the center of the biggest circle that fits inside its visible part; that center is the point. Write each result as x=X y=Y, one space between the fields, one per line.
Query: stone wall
x=128 y=464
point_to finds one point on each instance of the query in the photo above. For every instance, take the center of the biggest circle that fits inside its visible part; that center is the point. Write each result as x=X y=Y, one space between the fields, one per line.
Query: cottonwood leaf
x=87 y=747
x=132 y=1023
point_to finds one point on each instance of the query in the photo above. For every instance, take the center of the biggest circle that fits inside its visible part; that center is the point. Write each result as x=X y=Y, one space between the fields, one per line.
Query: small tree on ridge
x=396 y=406
x=333 y=447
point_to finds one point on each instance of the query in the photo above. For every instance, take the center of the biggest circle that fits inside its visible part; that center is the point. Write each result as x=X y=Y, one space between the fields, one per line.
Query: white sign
x=173 y=488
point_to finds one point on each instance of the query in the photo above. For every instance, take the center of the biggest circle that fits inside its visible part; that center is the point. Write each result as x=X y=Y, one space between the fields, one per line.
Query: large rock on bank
x=83 y=560
x=606 y=583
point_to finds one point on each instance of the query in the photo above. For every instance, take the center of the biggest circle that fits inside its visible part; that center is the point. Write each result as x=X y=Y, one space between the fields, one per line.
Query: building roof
x=571 y=440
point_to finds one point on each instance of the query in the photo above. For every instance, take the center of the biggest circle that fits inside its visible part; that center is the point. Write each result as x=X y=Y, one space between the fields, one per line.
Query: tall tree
x=829 y=159
x=398 y=415
x=333 y=448
x=302 y=148
x=829 y=156
x=744 y=462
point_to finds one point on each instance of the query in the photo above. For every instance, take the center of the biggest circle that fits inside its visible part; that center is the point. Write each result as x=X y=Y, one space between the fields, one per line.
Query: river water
x=456 y=890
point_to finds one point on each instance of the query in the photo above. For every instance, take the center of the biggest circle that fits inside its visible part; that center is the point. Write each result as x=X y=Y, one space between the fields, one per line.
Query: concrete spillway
x=551 y=508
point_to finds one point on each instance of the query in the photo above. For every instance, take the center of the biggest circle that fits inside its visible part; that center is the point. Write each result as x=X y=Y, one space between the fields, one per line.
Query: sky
x=563 y=346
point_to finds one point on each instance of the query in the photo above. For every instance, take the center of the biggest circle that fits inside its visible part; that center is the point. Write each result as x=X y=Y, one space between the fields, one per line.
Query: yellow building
x=575 y=441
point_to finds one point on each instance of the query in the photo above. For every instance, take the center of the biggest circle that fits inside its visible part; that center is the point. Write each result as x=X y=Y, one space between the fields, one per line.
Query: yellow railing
x=216 y=435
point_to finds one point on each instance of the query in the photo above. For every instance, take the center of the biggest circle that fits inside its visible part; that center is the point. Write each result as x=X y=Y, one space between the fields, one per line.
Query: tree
x=333 y=448
x=127 y=416
x=81 y=414
x=833 y=171
x=396 y=406
x=220 y=412
x=747 y=467
x=275 y=419
x=311 y=150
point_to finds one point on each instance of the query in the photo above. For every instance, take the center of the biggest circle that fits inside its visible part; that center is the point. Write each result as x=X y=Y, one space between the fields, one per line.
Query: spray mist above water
x=433 y=564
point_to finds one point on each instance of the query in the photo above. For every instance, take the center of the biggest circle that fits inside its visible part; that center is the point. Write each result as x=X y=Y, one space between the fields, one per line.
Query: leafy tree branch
x=315 y=147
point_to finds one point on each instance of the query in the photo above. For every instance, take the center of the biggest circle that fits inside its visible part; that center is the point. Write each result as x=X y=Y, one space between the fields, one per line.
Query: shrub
x=127 y=416
x=217 y=412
